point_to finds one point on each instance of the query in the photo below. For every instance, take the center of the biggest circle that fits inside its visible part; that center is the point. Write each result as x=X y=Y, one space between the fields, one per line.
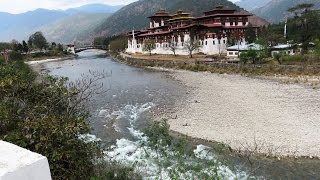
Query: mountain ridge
x=276 y=10
x=21 y=26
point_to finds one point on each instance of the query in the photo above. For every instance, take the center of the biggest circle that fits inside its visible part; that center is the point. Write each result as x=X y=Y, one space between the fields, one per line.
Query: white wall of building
x=17 y=163
x=209 y=46
x=285 y=51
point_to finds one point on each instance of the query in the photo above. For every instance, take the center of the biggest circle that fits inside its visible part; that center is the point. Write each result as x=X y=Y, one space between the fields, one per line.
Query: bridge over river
x=73 y=49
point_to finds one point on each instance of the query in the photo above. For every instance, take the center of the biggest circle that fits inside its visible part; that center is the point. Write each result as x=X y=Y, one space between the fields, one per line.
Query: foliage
x=317 y=48
x=250 y=34
x=4 y=45
x=15 y=56
x=105 y=41
x=278 y=57
x=177 y=153
x=250 y=55
x=25 y=46
x=149 y=45
x=273 y=34
x=289 y=59
x=304 y=27
x=119 y=44
x=46 y=117
x=38 y=40
x=191 y=46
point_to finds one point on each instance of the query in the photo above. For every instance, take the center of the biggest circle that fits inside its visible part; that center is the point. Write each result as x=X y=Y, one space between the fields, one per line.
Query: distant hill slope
x=95 y=8
x=134 y=15
x=74 y=27
x=20 y=26
x=250 y=5
x=276 y=10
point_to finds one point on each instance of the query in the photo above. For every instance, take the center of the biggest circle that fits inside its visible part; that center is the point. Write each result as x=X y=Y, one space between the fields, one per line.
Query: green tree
x=304 y=27
x=149 y=45
x=118 y=44
x=14 y=45
x=53 y=45
x=20 y=47
x=250 y=34
x=60 y=47
x=250 y=55
x=37 y=39
x=278 y=57
x=25 y=46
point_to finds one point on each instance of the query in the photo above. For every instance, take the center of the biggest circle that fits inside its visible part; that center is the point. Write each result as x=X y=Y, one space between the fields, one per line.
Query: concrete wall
x=17 y=163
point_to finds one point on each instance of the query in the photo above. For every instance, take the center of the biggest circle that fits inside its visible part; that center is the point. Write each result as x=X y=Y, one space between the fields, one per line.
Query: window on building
x=182 y=44
x=288 y=52
x=219 y=41
x=236 y=53
x=224 y=41
x=230 y=53
x=214 y=42
x=206 y=42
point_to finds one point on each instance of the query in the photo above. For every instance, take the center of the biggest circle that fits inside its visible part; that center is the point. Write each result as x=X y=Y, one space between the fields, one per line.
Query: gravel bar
x=246 y=113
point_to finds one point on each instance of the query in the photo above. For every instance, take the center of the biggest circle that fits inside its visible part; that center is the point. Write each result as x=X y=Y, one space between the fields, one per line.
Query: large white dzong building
x=214 y=31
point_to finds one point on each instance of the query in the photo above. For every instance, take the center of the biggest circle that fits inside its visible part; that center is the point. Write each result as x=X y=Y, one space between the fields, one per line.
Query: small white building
x=285 y=49
x=236 y=50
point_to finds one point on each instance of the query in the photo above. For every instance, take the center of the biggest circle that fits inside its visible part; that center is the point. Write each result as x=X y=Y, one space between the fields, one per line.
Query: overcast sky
x=18 y=6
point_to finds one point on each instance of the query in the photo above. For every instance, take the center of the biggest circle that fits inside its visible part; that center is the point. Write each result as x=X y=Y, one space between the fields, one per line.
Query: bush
x=292 y=58
x=15 y=56
x=46 y=117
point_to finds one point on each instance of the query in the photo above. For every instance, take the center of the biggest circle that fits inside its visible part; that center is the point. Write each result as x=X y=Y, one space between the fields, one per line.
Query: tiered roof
x=161 y=13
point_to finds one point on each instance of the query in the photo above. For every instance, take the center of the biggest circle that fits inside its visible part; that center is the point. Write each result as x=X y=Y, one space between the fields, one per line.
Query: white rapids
x=148 y=162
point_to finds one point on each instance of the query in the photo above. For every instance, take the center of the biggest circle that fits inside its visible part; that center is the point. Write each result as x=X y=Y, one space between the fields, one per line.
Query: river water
x=131 y=97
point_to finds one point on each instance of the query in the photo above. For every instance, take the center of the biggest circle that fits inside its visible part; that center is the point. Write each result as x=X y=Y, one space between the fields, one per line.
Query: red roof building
x=212 y=31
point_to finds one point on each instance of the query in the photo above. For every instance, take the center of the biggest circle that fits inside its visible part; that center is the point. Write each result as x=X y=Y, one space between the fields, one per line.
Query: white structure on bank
x=285 y=49
x=236 y=50
x=211 y=31
x=17 y=163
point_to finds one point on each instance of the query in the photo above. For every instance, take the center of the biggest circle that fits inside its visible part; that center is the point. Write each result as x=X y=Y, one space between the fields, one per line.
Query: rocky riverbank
x=253 y=114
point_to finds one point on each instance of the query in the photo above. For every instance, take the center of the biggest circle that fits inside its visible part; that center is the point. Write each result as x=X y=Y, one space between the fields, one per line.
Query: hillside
x=134 y=15
x=276 y=10
x=20 y=26
x=250 y=5
x=74 y=27
x=94 y=8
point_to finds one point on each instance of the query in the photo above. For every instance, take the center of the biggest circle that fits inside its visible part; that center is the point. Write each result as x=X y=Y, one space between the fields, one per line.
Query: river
x=129 y=100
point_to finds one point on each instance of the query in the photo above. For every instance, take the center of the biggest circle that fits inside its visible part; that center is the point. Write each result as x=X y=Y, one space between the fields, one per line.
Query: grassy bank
x=222 y=68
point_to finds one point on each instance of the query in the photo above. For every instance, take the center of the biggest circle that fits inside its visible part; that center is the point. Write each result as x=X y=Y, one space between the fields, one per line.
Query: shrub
x=45 y=117
x=15 y=56
x=292 y=58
